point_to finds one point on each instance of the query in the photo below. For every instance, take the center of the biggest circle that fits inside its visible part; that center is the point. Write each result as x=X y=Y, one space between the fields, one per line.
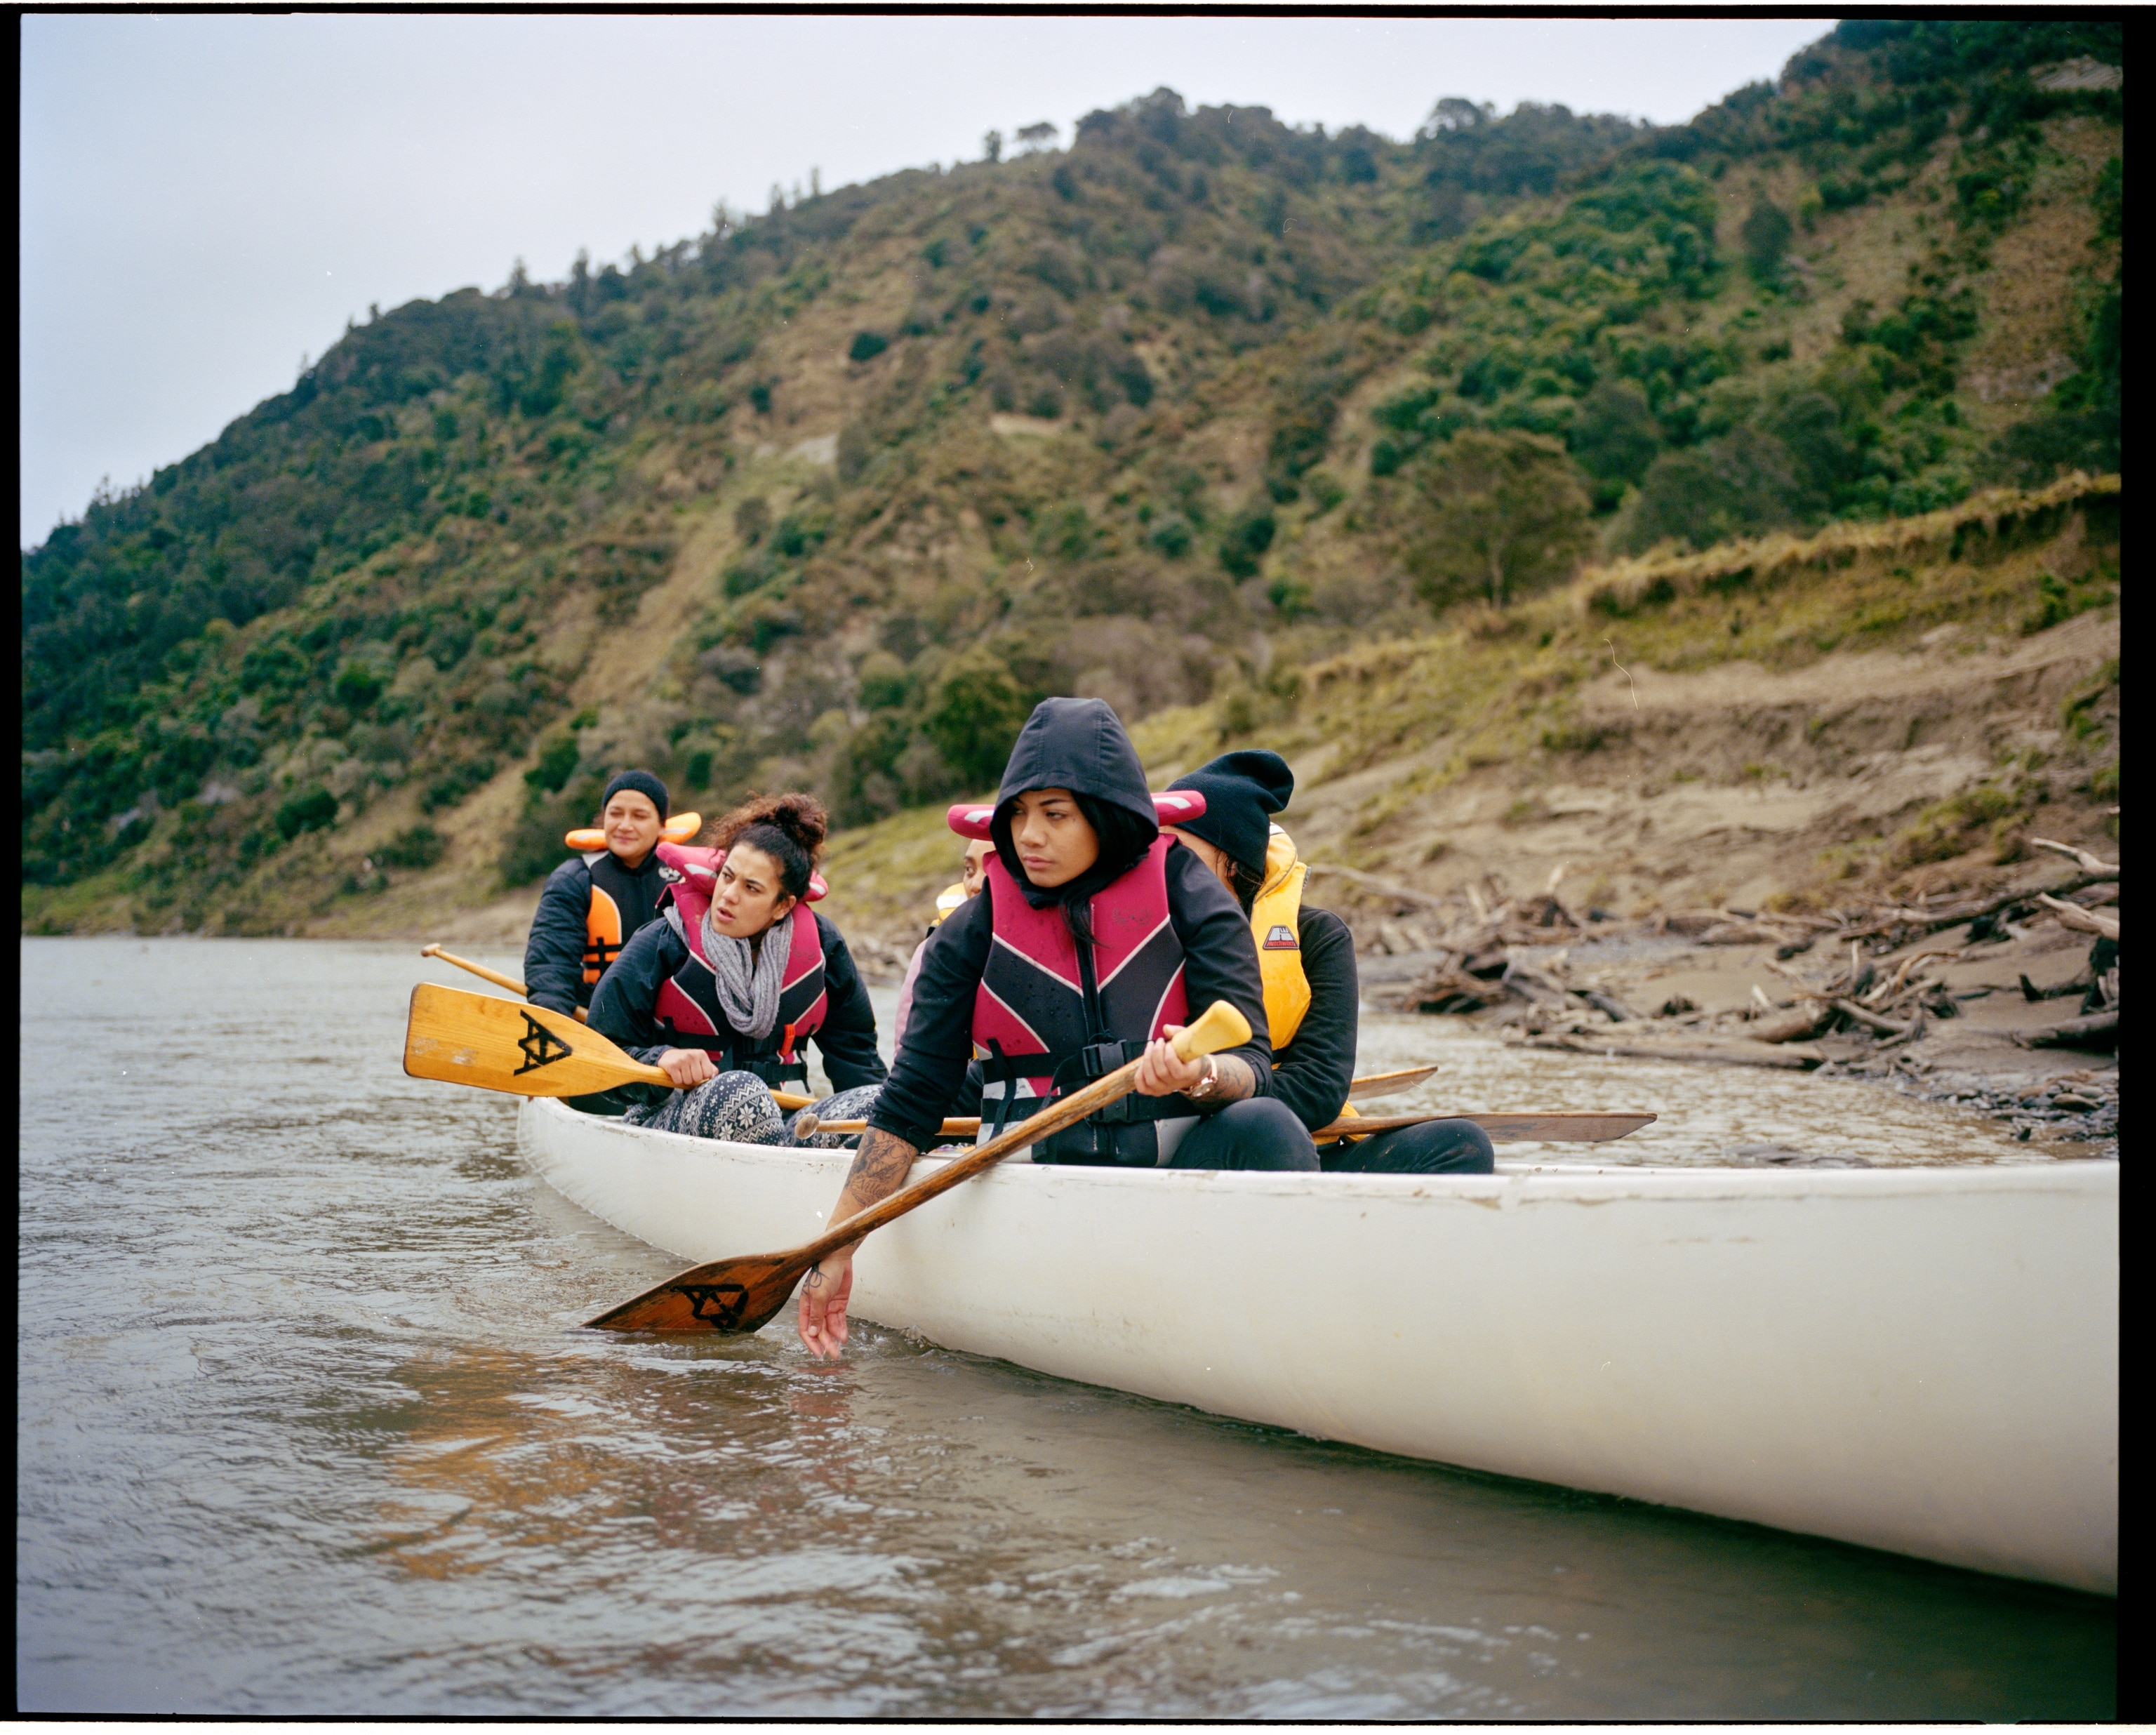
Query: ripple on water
x=306 y=1425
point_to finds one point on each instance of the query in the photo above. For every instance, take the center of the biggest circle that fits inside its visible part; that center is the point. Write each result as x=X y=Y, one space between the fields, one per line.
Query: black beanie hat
x=642 y=782
x=1242 y=791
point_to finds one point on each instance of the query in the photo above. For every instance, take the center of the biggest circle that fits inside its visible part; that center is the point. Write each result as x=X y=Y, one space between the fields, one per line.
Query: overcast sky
x=206 y=199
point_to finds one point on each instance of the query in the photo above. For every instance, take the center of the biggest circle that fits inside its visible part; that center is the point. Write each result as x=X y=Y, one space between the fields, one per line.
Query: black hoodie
x=1079 y=744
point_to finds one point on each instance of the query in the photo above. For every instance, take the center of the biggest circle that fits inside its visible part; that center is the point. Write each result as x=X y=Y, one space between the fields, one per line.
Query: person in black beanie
x=1307 y=959
x=597 y=900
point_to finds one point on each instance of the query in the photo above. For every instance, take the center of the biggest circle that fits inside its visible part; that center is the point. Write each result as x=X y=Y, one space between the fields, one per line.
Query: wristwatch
x=1209 y=1086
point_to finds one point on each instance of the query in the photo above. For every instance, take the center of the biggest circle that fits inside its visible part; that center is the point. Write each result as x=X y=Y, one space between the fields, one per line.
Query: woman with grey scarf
x=723 y=991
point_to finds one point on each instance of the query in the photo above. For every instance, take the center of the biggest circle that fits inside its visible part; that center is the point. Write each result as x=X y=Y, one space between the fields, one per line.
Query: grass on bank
x=1498 y=684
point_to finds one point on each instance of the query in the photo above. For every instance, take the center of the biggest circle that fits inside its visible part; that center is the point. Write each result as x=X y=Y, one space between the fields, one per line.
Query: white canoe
x=1923 y=1360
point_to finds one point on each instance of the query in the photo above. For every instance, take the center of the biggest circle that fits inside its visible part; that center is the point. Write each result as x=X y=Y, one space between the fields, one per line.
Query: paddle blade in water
x=730 y=1296
x=497 y=1044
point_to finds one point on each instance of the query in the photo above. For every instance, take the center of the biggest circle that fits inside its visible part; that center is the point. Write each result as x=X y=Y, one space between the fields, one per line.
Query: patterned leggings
x=737 y=1106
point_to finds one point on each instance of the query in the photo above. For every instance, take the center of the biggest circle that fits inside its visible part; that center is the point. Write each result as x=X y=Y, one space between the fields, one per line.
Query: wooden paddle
x=730 y=1295
x=1556 y=1129
x=526 y=1050
x=1386 y=1084
x=1504 y=1129
x=495 y=977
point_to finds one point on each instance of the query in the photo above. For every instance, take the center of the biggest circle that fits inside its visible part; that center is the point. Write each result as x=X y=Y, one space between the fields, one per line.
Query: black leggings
x=1261 y=1132
x=1436 y=1147
x=1258 y=1132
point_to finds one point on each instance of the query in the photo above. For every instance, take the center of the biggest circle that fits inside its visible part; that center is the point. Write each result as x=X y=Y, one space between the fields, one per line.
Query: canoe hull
x=1919 y=1360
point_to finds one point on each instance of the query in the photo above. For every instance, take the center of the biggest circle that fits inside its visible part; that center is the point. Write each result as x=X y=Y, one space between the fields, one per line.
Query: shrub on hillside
x=417 y=846
x=459 y=780
x=1496 y=513
x=975 y=711
x=310 y=810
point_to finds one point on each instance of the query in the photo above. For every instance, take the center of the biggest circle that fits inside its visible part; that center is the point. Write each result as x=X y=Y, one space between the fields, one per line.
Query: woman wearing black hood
x=1091 y=942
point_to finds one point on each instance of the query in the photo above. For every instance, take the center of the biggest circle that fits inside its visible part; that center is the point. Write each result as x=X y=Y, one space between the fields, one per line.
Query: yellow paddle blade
x=497 y=1044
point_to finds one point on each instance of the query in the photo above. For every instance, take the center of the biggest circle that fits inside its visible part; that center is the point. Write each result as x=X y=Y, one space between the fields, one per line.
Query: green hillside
x=831 y=496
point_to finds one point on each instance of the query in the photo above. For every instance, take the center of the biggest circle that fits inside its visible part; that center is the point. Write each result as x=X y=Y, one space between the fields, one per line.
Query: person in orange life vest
x=594 y=903
x=1091 y=943
x=949 y=900
x=720 y=994
x=1307 y=958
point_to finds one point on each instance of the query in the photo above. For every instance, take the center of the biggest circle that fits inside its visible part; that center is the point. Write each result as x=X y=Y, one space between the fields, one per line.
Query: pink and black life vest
x=1047 y=1020
x=688 y=1005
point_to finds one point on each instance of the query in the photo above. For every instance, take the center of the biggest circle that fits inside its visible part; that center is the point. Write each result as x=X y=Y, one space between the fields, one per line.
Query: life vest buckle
x=1101 y=1058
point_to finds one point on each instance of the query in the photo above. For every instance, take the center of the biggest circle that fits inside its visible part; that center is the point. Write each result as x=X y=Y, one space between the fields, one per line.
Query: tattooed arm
x=880 y=1170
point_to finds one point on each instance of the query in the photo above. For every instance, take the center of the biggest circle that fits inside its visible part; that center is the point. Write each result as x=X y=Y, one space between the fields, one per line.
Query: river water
x=306 y=1425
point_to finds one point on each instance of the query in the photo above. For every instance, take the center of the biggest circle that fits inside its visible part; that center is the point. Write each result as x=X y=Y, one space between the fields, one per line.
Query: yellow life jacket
x=1274 y=926
x=948 y=902
x=1276 y=915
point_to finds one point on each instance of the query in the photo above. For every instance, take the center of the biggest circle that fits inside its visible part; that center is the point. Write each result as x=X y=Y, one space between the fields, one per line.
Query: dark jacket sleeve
x=847 y=1036
x=622 y=1010
x=1317 y=1066
x=554 y=951
x=936 y=1044
x=1218 y=961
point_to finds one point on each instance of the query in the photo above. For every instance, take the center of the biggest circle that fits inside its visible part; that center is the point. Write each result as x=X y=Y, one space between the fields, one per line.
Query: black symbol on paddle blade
x=721 y=1303
x=542 y=1047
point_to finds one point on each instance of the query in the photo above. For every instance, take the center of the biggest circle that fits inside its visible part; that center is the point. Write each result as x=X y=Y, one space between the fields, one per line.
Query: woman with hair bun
x=721 y=991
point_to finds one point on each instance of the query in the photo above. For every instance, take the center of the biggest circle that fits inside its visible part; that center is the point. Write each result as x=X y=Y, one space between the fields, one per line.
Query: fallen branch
x=2086 y=921
x=1930 y=921
x=1383 y=888
x=1909 y=964
x=1608 y=1004
x=1884 y=1026
x=1849 y=1009
x=1792 y=1027
x=2101 y=869
x=1736 y=1053
x=2089 y=1032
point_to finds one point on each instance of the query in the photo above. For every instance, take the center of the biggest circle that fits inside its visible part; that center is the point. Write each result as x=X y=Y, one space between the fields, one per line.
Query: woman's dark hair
x=1123 y=837
x=788 y=829
x=1244 y=881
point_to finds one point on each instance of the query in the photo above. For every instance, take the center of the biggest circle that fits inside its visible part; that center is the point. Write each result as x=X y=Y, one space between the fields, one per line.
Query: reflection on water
x=306 y=1425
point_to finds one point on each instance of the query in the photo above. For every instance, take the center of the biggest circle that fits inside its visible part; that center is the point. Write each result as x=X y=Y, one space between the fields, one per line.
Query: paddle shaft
x=1561 y=1129
x=495 y=977
x=741 y=1294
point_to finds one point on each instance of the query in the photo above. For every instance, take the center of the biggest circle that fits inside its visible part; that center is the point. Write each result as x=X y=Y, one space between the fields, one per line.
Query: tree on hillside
x=1498 y=512
x=1738 y=486
x=1766 y=235
x=1038 y=137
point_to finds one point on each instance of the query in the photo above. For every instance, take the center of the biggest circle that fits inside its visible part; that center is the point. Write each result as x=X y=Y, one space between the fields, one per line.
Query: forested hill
x=830 y=496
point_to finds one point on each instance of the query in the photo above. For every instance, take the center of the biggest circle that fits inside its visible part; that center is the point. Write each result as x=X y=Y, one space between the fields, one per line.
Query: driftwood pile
x=1480 y=947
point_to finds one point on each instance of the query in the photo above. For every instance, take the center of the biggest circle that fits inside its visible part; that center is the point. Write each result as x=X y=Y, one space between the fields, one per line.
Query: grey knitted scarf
x=748 y=984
